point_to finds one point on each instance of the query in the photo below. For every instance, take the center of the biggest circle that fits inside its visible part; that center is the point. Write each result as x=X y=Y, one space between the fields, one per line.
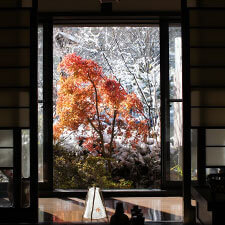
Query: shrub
x=80 y=171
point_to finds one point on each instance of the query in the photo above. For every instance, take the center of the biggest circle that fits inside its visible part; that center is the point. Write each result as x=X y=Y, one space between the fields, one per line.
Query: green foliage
x=178 y=171
x=72 y=171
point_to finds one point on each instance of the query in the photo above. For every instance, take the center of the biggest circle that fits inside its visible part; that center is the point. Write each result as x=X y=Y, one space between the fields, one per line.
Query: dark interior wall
x=95 y=6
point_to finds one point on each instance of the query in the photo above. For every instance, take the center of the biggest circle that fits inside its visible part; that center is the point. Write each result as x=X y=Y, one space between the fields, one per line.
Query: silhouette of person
x=119 y=218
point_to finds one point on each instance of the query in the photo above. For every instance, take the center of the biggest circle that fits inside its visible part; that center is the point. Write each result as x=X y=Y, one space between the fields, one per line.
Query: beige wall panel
x=15 y=37
x=14 y=57
x=207 y=57
x=206 y=3
x=6 y=138
x=208 y=97
x=14 y=18
x=8 y=3
x=215 y=137
x=6 y=157
x=94 y=5
x=26 y=3
x=14 y=98
x=207 y=76
x=14 y=77
x=207 y=18
x=69 y=5
x=215 y=156
x=207 y=37
x=14 y=118
x=207 y=117
x=147 y=5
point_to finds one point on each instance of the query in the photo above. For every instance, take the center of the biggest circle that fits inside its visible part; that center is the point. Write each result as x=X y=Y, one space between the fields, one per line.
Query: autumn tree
x=96 y=108
x=131 y=53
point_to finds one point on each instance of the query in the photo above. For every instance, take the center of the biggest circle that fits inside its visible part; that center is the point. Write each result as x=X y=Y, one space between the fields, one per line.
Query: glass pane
x=40 y=143
x=25 y=192
x=40 y=63
x=6 y=138
x=6 y=188
x=6 y=157
x=25 y=153
x=215 y=137
x=25 y=182
x=176 y=141
x=175 y=62
x=214 y=170
x=194 y=156
x=130 y=57
x=40 y=104
x=215 y=156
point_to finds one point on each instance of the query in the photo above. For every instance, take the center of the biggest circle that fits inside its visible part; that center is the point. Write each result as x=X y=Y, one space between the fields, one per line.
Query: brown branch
x=89 y=120
x=112 y=135
x=98 y=115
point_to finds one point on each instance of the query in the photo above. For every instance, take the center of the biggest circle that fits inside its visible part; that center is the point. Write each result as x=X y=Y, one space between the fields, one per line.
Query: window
x=175 y=104
x=130 y=56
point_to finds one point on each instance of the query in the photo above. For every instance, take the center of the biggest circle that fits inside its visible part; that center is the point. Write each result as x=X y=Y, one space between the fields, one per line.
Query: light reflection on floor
x=71 y=209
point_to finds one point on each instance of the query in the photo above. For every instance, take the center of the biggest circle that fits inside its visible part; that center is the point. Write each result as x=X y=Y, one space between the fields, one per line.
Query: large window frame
x=163 y=20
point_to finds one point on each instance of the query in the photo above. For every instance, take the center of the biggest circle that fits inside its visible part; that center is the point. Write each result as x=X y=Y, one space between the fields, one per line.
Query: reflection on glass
x=6 y=138
x=25 y=192
x=25 y=182
x=26 y=153
x=40 y=142
x=6 y=157
x=194 y=148
x=6 y=191
x=40 y=63
x=214 y=171
x=175 y=62
x=176 y=141
x=40 y=104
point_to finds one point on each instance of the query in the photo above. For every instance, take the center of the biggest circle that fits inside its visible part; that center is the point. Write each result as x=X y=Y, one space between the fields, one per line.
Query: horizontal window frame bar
x=175 y=100
x=216 y=166
x=4 y=147
x=6 y=168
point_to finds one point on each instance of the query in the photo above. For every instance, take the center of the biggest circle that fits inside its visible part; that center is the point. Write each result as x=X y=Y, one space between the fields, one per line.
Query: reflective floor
x=5 y=203
x=71 y=209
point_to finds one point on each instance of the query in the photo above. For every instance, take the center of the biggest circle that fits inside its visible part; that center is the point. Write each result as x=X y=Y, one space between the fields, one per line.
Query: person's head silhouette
x=119 y=208
x=119 y=218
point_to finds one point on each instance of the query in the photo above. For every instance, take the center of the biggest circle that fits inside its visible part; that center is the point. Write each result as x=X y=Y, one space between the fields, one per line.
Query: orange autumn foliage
x=90 y=101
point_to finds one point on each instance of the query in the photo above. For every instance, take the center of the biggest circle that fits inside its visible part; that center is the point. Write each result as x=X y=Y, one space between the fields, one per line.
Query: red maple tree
x=97 y=108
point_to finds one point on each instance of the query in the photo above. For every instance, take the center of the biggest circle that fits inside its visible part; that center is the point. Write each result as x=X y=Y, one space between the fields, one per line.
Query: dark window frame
x=163 y=20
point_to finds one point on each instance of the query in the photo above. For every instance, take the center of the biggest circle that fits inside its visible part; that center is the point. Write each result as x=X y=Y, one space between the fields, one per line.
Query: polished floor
x=167 y=209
